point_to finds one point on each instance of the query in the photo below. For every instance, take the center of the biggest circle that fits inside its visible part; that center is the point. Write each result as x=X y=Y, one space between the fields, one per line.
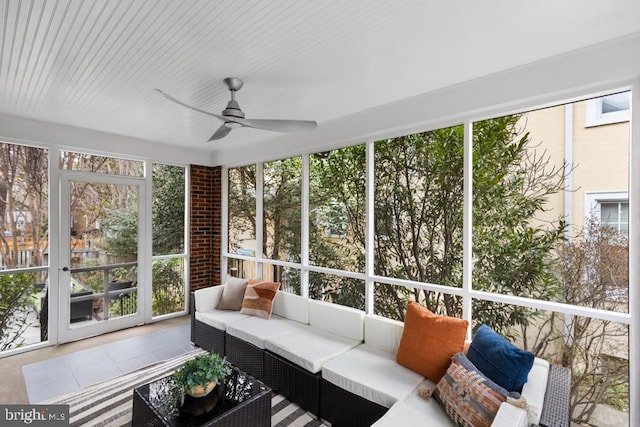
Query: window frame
x=595 y=116
x=594 y=200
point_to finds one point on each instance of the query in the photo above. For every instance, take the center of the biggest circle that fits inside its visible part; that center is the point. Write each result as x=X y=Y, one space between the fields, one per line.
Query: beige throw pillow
x=233 y=294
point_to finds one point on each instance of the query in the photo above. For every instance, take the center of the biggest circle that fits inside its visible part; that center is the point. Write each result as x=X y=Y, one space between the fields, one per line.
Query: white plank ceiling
x=94 y=63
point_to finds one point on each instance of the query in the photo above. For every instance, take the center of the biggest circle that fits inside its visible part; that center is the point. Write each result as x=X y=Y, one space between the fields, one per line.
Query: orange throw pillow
x=429 y=341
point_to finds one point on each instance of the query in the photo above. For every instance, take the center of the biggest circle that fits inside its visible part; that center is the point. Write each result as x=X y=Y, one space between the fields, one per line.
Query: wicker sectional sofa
x=340 y=364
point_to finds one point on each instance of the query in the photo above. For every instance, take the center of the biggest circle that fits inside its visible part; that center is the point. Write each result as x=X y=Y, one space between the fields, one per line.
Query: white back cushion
x=207 y=298
x=535 y=388
x=337 y=319
x=382 y=333
x=292 y=307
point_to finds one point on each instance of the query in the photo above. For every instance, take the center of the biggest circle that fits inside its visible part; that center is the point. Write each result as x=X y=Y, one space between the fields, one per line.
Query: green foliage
x=168 y=210
x=120 y=232
x=168 y=286
x=419 y=182
x=16 y=301
x=93 y=279
x=418 y=211
x=419 y=218
x=282 y=213
x=120 y=225
x=201 y=370
x=242 y=205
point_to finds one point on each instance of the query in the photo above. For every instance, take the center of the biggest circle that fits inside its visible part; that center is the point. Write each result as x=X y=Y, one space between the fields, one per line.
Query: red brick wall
x=206 y=221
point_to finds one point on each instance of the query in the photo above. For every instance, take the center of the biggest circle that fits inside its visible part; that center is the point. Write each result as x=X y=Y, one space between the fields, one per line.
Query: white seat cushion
x=255 y=330
x=309 y=347
x=510 y=416
x=372 y=374
x=219 y=319
x=404 y=414
x=430 y=408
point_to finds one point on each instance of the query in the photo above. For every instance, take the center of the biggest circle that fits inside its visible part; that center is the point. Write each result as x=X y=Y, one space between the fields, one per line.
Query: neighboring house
x=593 y=138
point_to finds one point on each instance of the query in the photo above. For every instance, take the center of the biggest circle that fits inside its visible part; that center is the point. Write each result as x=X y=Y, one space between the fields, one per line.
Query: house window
x=608 y=109
x=610 y=209
x=615 y=215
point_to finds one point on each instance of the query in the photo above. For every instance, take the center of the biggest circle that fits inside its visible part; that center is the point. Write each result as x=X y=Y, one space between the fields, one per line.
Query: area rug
x=110 y=403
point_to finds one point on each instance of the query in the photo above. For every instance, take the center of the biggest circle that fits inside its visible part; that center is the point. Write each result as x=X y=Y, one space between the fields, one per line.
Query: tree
x=120 y=232
x=513 y=253
x=168 y=210
x=419 y=218
x=16 y=292
x=282 y=209
x=119 y=218
x=594 y=270
x=23 y=191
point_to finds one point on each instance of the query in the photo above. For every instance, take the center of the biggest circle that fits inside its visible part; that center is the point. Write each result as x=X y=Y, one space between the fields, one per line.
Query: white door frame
x=66 y=331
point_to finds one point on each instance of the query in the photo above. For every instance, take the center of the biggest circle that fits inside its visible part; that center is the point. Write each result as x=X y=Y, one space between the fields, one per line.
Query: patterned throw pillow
x=258 y=299
x=469 y=398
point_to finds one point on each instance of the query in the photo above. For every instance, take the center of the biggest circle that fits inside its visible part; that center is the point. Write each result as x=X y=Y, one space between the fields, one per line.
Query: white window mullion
x=224 y=227
x=634 y=259
x=145 y=261
x=370 y=228
x=467 y=227
x=259 y=216
x=55 y=213
x=186 y=237
x=304 y=237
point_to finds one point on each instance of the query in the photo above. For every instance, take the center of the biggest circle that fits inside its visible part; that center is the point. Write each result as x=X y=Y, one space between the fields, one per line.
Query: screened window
x=282 y=209
x=70 y=160
x=242 y=211
x=24 y=245
x=168 y=230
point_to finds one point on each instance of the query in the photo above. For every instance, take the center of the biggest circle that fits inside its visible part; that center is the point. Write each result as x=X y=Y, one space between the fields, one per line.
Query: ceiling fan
x=233 y=117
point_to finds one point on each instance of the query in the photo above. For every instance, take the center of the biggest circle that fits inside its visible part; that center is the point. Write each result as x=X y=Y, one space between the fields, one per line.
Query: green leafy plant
x=202 y=370
x=16 y=300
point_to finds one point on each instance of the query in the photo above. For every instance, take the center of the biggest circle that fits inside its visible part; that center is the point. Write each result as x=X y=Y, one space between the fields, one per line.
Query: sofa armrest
x=535 y=388
x=510 y=416
x=206 y=299
x=555 y=411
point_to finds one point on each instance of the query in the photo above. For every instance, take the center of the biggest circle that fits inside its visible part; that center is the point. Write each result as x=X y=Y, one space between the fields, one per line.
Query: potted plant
x=200 y=375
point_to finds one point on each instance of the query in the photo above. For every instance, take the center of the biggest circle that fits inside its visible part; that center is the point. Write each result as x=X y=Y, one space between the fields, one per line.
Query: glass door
x=99 y=254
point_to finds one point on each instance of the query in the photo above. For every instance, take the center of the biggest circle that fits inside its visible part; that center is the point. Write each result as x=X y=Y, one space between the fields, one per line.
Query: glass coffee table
x=241 y=401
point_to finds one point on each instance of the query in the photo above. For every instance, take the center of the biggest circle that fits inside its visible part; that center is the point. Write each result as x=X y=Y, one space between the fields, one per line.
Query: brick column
x=205 y=227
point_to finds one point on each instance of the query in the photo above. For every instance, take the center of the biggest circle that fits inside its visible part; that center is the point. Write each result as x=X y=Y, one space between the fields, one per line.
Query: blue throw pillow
x=504 y=363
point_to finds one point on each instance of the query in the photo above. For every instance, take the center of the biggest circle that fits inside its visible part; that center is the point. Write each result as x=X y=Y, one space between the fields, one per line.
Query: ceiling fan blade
x=278 y=125
x=220 y=133
x=177 y=101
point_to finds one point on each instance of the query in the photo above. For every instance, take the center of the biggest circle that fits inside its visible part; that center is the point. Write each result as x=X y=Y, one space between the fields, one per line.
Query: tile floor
x=64 y=374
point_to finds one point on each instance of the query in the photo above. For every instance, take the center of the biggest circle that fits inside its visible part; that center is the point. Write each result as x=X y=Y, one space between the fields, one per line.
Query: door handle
x=65 y=268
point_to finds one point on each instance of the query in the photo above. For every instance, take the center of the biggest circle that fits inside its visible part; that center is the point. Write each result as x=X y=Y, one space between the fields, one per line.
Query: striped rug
x=110 y=403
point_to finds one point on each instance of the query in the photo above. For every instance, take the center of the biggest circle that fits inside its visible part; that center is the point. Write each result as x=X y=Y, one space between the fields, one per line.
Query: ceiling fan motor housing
x=233 y=110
